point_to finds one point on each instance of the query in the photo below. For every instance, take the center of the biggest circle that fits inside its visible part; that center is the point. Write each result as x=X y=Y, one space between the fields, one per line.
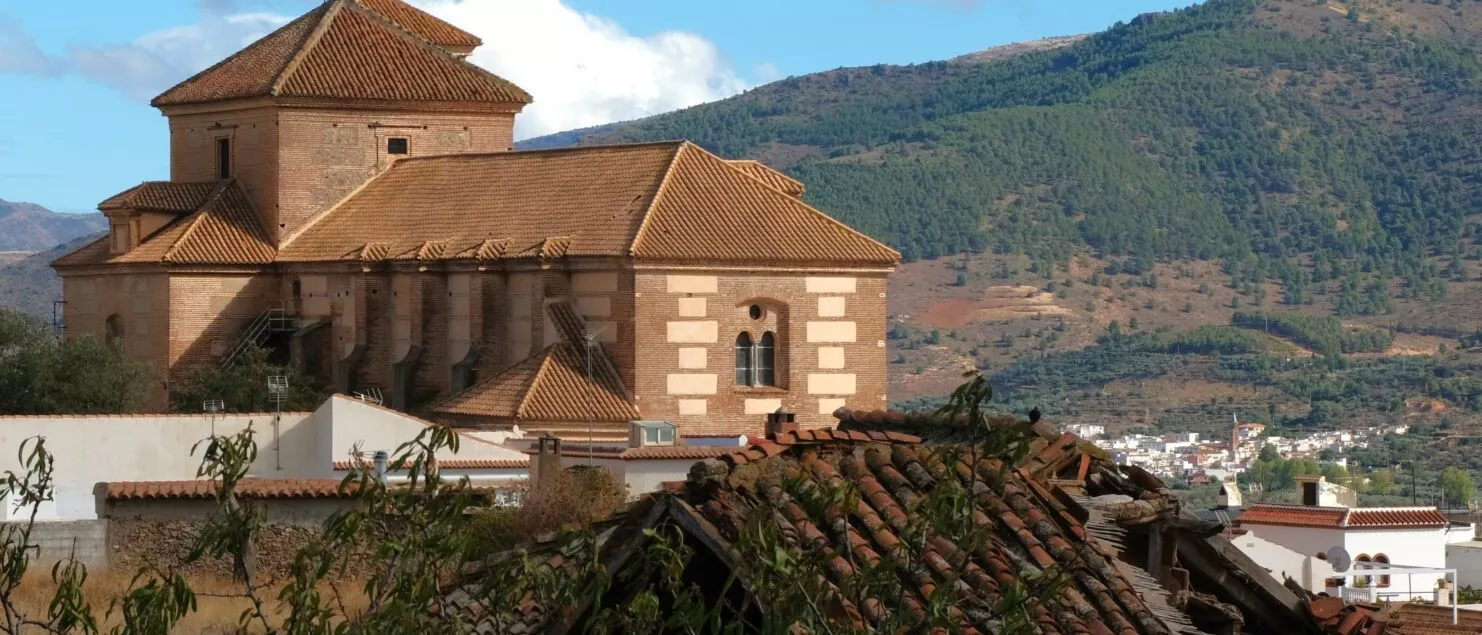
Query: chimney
x=1229 y=494
x=381 y=458
x=780 y=422
x=548 y=458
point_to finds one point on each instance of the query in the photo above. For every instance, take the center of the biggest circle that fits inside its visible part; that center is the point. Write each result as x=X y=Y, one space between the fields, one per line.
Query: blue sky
x=77 y=75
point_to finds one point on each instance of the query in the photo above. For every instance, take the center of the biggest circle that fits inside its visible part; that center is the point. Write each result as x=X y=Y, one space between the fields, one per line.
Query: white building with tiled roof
x=345 y=192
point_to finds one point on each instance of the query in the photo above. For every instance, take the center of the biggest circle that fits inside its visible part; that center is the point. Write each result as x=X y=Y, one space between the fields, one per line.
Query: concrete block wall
x=83 y=540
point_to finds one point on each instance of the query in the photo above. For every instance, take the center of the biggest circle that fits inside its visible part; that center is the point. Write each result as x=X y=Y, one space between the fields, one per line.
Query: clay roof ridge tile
x=195 y=220
x=653 y=203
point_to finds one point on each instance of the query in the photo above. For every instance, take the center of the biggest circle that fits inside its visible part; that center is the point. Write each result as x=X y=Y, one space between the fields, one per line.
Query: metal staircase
x=273 y=320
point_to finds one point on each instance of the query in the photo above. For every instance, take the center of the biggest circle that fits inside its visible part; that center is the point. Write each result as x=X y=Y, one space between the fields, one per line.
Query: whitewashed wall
x=1283 y=563
x=97 y=449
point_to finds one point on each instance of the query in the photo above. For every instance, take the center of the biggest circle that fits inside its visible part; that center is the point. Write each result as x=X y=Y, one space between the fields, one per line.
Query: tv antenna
x=278 y=390
x=589 y=341
x=213 y=406
x=372 y=395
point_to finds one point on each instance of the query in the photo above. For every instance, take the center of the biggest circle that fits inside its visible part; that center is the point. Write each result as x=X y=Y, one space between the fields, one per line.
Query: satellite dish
x=1339 y=558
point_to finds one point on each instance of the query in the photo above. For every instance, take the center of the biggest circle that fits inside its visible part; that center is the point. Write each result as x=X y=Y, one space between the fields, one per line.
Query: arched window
x=766 y=366
x=744 y=363
x=1380 y=558
x=113 y=330
x=1363 y=580
x=756 y=360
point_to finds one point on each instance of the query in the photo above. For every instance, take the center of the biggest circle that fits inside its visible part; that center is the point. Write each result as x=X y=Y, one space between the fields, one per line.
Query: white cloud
x=586 y=70
x=19 y=54
x=160 y=59
x=582 y=69
x=147 y=66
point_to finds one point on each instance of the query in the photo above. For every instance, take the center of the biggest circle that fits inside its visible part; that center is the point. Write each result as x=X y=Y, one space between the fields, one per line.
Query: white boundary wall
x=94 y=449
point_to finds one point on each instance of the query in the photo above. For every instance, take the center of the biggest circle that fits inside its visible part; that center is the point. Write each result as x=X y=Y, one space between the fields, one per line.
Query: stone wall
x=165 y=543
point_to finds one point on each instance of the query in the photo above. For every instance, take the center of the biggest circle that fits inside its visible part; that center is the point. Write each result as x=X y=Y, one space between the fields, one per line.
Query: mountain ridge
x=28 y=227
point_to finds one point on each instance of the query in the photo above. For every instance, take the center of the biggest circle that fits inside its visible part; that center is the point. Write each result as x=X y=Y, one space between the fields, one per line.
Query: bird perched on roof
x=1034 y=415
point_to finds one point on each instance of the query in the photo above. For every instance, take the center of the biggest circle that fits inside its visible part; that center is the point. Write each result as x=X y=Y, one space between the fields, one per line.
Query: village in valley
x=368 y=359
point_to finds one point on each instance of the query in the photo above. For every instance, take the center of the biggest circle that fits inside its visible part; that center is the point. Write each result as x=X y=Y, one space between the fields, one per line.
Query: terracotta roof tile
x=643 y=453
x=246 y=488
x=892 y=480
x=710 y=210
x=773 y=178
x=458 y=464
x=497 y=396
x=513 y=200
x=345 y=50
x=160 y=196
x=1342 y=517
x=1380 y=517
x=224 y=230
x=662 y=201
x=550 y=386
x=422 y=23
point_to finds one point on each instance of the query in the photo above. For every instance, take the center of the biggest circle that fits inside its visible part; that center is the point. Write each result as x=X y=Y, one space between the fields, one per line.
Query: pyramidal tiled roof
x=223 y=230
x=551 y=386
x=160 y=196
x=669 y=200
x=422 y=23
x=380 y=50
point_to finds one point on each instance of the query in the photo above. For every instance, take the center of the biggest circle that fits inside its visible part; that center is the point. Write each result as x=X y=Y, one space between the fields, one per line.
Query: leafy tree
x=1335 y=473
x=243 y=387
x=1269 y=453
x=41 y=373
x=1457 y=486
x=1383 y=482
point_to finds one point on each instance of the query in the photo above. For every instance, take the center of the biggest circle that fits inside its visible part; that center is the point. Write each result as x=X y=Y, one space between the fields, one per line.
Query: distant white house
x=1398 y=536
x=1086 y=430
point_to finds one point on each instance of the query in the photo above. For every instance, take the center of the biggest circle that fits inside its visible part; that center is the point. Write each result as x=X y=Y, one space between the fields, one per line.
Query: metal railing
x=273 y=320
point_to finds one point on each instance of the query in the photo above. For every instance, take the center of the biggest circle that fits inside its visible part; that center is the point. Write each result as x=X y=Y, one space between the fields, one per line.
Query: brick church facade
x=345 y=189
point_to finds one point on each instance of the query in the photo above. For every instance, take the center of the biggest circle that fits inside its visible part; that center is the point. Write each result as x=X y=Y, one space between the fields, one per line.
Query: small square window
x=396 y=145
x=655 y=432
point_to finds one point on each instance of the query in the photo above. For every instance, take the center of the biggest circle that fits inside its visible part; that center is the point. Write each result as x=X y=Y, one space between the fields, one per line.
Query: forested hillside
x=1267 y=208
x=1332 y=148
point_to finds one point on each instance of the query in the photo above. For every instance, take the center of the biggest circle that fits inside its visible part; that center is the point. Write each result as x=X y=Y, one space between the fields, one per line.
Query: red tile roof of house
x=160 y=196
x=1343 y=517
x=1409 y=618
x=223 y=229
x=246 y=488
x=655 y=201
x=644 y=453
x=377 y=50
x=1043 y=512
x=456 y=464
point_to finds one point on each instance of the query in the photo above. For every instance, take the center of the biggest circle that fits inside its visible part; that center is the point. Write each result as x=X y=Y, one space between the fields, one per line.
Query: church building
x=345 y=191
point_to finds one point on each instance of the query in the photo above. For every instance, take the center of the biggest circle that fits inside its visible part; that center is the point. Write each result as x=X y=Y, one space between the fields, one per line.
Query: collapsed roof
x=1100 y=548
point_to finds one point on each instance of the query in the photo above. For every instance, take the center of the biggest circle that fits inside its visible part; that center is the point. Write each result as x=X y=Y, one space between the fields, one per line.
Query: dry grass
x=219 y=601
